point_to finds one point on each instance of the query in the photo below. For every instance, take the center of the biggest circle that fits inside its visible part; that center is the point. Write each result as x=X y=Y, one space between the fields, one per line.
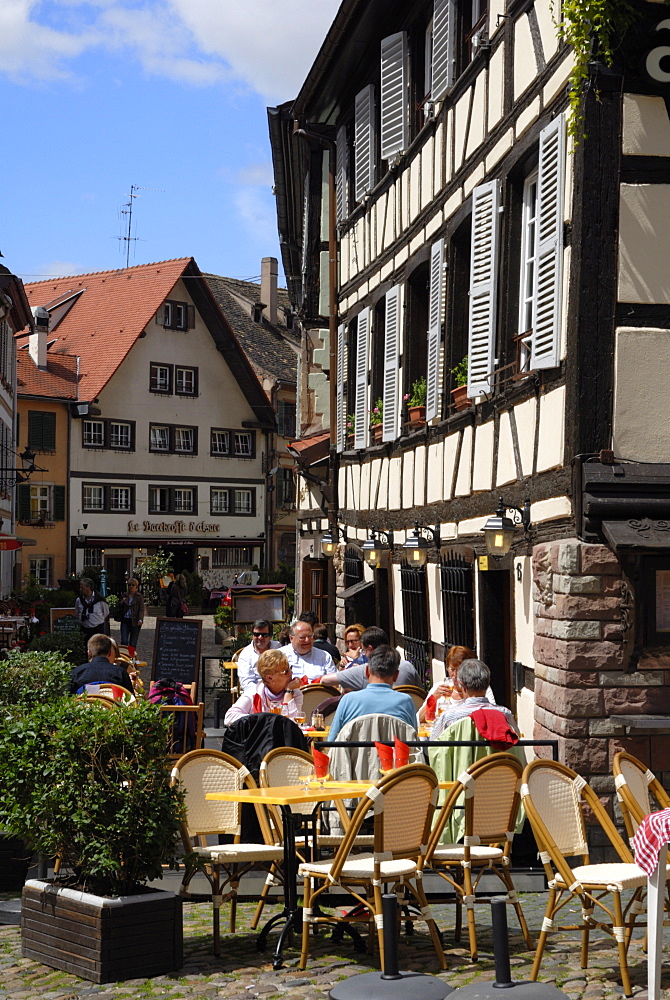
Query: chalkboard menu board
x=64 y=620
x=177 y=649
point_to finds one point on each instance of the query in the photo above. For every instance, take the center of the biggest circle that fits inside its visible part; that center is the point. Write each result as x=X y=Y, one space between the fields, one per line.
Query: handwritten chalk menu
x=64 y=620
x=177 y=649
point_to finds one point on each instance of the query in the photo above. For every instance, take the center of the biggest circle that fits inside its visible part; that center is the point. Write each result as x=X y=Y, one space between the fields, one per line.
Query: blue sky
x=168 y=95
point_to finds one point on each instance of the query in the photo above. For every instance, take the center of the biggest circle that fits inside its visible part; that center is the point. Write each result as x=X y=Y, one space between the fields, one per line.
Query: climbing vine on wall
x=594 y=29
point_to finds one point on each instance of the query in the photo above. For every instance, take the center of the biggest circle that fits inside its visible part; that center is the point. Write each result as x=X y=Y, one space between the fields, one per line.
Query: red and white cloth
x=652 y=833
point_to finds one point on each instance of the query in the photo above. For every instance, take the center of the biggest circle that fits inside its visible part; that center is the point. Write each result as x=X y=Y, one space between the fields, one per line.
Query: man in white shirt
x=305 y=659
x=247 y=674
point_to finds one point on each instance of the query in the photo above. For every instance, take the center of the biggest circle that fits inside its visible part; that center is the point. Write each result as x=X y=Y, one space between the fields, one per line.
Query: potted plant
x=351 y=429
x=416 y=402
x=91 y=786
x=26 y=679
x=376 y=421
x=459 y=395
x=223 y=623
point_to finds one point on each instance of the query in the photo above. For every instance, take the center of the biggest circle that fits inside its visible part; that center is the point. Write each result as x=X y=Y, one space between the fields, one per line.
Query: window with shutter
x=59 y=503
x=394 y=109
x=483 y=286
x=364 y=142
x=361 y=410
x=41 y=431
x=341 y=402
x=443 y=49
x=23 y=503
x=434 y=330
x=341 y=174
x=391 y=415
x=549 y=246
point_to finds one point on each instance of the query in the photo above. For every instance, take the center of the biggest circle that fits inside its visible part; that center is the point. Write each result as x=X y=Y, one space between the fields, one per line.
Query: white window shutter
x=394 y=103
x=391 y=415
x=362 y=418
x=442 y=75
x=341 y=175
x=483 y=286
x=341 y=399
x=365 y=149
x=434 y=329
x=549 y=246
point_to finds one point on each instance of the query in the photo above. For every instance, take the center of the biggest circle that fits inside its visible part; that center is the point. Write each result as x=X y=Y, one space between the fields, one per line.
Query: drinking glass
x=300 y=720
x=275 y=708
x=305 y=774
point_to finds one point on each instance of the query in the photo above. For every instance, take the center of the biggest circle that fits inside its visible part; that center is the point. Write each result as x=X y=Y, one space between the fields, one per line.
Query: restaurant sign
x=174 y=527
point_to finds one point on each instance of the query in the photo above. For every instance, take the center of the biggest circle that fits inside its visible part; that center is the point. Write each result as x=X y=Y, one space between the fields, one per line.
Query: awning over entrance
x=9 y=542
x=356 y=589
x=637 y=534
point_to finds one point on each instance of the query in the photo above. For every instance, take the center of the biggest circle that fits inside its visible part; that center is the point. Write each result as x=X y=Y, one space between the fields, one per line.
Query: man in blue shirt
x=378 y=698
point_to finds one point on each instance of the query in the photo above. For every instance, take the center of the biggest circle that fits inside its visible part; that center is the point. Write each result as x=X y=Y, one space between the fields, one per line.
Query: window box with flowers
x=376 y=424
x=416 y=403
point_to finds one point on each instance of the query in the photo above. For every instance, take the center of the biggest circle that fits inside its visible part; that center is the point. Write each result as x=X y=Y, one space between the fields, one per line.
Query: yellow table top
x=288 y=795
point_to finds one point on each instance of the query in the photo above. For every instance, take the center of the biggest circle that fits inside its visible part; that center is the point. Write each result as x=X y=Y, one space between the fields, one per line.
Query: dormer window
x=174 y=315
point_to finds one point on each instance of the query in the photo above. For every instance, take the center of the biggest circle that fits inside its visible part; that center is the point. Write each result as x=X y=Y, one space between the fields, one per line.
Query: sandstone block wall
x=584 y=618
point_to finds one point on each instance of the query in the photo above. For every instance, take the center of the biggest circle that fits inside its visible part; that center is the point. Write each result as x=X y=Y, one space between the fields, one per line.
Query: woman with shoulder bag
x=176 y=602
x=131 y=614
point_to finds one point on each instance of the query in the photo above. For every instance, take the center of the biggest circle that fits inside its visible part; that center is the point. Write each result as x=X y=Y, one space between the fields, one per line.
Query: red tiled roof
x=311 y=449
x=59 y=381
x=108 y=317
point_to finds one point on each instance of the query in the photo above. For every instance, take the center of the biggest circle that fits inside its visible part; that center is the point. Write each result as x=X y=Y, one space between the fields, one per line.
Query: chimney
x=37 y=341
x=269 y=270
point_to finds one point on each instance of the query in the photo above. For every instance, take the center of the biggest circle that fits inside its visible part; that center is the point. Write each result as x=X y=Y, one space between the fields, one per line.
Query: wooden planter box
x=98 y=938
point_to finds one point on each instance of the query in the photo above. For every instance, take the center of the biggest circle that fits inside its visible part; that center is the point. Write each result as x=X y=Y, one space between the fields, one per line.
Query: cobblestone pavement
x=242 y=972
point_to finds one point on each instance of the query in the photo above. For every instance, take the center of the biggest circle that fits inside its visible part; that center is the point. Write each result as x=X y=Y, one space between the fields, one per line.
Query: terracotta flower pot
x=376 y=430
x=417 y=415
x=460 y=398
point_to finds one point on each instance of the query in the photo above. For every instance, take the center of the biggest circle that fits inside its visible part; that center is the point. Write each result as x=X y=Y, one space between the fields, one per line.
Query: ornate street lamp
x=499 y=530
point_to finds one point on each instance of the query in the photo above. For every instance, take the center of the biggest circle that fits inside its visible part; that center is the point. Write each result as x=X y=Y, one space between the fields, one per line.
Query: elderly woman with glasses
x=276 y=692
x=352 y=642
x=131 y=610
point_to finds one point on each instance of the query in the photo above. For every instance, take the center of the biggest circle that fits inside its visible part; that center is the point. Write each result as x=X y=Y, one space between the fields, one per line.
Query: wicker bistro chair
x=281 y=767
x=185 y=728
x=552 y=795
x=313 y=695
x=404 y=802
x=199 y=772
x=634 y=782
x=417 y=694
x=490 y=790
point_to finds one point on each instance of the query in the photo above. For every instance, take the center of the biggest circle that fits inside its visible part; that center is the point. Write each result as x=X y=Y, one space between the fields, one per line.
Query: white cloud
x=266 y=45
x=54 y=269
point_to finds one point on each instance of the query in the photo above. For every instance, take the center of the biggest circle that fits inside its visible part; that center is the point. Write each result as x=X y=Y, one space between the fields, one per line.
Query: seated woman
x=352 y=640
x=277 y=691
x=444 y=691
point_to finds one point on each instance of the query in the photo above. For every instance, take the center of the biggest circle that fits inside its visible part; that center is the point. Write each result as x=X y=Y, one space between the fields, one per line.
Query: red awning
x=9 y=542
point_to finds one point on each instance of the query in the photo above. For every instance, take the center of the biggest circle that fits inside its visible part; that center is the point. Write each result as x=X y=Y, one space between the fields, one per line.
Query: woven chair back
x=555 y=793
x=417 y=694
x=491 y=812
x=313 y=695
x=282 y=767
x=203 y=771
x=404 y=813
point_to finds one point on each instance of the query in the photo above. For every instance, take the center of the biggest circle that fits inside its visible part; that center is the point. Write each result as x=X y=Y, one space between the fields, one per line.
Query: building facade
x=429 y=153
x=168 y=437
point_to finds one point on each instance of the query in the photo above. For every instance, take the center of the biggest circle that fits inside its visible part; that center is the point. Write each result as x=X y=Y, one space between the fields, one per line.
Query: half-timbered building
x=441 y=225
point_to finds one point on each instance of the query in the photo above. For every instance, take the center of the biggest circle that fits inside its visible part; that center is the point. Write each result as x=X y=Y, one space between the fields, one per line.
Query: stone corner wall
x=583 y=626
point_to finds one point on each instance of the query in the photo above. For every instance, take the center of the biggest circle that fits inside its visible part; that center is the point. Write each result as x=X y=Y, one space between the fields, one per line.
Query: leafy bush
x=70 y=645
x=33 y=678
x=223 y=617
x=193 y=589
x=149 y=571
x=91 y=786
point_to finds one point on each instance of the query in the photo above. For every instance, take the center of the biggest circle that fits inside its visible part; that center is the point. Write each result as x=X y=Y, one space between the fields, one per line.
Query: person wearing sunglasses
x=247 y=662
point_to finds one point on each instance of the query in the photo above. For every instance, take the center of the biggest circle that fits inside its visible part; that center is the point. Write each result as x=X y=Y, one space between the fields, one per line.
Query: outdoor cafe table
x=651 y=854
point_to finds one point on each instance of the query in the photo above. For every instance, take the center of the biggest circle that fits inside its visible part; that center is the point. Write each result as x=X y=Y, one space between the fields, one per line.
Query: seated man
x=304 y=658
x=247 y=660
x=277 y=692
x=354 y=678
x=472 y=680
x=378 y=697
x=101 y=669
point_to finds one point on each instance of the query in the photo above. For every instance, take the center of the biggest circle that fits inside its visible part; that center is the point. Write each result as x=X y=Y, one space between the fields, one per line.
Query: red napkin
x=131 y=650
x=400 y=752
x=431 y=708
x=321 y=762
x=385 y=756
x=304 y=679
x=257 y=705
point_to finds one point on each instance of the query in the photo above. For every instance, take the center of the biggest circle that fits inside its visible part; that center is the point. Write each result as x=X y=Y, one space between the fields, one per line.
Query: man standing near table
x=378 y=698
x=247 y=662
x=92 y=610
x=305 y=660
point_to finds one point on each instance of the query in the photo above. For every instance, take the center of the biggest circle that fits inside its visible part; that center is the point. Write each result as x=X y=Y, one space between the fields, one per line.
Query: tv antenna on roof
x=127 y=210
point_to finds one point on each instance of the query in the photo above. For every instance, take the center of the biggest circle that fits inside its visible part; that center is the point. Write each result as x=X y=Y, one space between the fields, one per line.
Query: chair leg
x=378 y=920
x=269 y=882
x=469 y=900
x=234 y=885
x=511 y=892
x=306 y=912
x=216 y=910
x=586 y=931
x=539 y=951
x=432 y=926
x=620 y=935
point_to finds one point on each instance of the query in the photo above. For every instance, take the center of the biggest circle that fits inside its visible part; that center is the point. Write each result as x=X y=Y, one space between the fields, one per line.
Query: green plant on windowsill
x=351 y=423
x=459 y=372
x=417 y=397
x=377 y=414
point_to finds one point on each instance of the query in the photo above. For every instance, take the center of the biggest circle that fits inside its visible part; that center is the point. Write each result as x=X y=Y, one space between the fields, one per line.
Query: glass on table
x=276 y=708
x=305 y=775
x=299 y=720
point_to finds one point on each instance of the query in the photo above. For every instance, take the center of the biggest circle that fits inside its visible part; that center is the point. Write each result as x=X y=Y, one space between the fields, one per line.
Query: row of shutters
x=394 y=106
x=484 y=270
x=23 y=508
